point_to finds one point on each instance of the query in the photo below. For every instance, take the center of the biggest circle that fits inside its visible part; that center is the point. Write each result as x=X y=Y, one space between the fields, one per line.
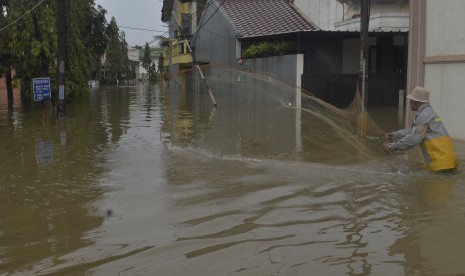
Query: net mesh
x=257 y=116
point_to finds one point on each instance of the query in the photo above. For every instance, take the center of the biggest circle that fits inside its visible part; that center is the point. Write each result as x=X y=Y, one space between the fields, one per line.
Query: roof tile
x=263 y=17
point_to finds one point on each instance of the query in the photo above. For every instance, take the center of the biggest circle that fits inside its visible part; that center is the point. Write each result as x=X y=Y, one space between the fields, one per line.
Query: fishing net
x=257 y=117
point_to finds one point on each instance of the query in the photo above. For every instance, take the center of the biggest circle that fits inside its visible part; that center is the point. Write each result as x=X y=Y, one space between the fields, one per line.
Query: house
x=437 y=58
x=332 y=60
x=215 y=33
x=323 y=37
x=139 y=72
x=344 y=15
x=177 y=55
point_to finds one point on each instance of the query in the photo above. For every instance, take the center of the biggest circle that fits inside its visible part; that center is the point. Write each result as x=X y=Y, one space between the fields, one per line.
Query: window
x=186 y=24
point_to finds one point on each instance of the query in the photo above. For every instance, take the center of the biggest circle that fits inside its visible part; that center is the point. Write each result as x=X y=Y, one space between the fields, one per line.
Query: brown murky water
x=136 y=182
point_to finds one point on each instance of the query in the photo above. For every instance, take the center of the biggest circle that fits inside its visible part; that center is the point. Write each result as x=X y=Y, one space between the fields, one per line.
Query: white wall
x=323 y=13
x=445 y=27
x=354 y=9
x=445 y=35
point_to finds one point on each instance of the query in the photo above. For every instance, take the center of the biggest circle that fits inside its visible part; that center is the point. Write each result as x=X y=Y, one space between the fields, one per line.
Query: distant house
x=136 y=54
x=139 y=73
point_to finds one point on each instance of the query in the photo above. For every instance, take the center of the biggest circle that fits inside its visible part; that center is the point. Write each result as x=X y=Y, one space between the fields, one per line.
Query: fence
x=339 y=89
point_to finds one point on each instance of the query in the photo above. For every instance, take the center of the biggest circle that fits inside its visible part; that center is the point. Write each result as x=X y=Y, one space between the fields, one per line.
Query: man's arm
x=410 y=137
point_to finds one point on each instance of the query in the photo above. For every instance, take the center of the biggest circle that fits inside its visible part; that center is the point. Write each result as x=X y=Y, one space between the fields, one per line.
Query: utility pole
x=362 y=85
x=61 y=52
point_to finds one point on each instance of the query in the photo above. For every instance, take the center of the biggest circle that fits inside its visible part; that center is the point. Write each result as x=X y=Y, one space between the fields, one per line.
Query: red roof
x=263 y=17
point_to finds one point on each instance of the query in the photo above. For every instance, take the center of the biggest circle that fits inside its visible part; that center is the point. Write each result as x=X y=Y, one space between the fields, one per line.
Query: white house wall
x=351 y=10
x=323 y=13
x=445 y=36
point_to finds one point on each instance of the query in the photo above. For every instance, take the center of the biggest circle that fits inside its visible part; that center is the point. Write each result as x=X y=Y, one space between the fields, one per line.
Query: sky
x=140 y=14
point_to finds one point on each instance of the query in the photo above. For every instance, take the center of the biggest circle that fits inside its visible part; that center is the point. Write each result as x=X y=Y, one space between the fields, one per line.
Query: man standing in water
x=428 y=131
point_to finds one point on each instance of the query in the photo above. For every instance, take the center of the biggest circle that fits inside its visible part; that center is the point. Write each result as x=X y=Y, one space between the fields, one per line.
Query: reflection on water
x=143 y=181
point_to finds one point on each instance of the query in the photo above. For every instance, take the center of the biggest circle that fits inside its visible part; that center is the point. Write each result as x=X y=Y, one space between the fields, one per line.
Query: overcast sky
x=141 y=14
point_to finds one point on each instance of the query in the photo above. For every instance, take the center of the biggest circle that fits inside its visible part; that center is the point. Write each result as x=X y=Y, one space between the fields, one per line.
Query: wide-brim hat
x=419 y=94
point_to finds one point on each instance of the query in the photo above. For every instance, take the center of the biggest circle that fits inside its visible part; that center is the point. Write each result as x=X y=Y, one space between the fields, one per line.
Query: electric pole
x=61 y=55
x=362 y=86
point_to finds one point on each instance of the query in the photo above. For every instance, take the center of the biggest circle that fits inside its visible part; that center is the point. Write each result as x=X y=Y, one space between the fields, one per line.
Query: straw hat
x=419 y=94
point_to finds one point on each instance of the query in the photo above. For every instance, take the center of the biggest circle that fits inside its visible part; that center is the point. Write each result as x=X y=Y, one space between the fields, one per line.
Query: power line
x=17 y=19
x=140 y=29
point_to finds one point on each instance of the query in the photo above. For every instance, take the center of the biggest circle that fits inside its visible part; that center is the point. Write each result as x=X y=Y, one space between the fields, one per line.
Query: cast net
x=258 y=117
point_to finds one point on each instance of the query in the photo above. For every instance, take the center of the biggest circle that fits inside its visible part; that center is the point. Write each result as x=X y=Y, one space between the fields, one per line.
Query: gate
x=339 y=89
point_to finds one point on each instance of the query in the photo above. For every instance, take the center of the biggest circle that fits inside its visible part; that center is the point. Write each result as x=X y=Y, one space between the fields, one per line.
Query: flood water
x=140 y=181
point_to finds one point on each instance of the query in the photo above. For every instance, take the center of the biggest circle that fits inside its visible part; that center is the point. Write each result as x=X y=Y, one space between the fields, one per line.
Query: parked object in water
x=92 y=83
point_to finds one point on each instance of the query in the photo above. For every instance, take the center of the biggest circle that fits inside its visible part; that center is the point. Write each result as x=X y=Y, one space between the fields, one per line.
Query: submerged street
x=140 y=181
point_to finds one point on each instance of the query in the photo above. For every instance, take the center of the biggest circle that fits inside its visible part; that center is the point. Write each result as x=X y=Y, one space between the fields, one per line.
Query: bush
x=266 y=49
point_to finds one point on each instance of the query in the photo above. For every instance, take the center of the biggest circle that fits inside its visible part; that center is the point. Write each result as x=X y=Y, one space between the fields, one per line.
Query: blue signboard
x=41 y=88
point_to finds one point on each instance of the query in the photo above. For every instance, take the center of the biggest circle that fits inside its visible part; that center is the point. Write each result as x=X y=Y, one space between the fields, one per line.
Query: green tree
x=152 y=72
x=117 y=60
x=147 y=58
x=161 y=60
x=5 y=56
x=78 y=54
x=32 y=41
x=96 y=39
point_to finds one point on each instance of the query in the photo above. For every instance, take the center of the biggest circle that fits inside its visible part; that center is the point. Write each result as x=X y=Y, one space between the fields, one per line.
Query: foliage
x=266 y=49
x=78 y=54
x=117 y=61
x=30 y=44
x=149 y=64
x=152 y=73
x=147 y=58
x=161 y=59
x=5 y=56
x=96 y=39
x=163 y=41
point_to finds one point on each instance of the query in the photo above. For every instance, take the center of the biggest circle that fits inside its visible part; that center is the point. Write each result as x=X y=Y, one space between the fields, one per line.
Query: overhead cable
x=19 y=18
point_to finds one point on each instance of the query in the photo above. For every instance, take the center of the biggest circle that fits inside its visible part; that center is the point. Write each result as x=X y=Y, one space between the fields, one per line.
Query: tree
x=32 y=42
x=161 y=60
x=78 y=54
x=117 y=60
x=96 y=39
x=152 y=72
x=5 y=56
x=147 y=59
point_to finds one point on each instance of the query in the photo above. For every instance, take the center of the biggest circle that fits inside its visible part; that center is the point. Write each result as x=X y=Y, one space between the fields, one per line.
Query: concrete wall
x=216 y=39
x=284 y=68
x=323 y=13
x=288 y=68
x=445 y=62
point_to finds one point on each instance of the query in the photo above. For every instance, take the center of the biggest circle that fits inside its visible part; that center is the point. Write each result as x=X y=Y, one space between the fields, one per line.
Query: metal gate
x=339 y=89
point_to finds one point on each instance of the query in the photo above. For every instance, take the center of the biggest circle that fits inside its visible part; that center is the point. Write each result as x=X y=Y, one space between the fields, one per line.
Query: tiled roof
x=263 y=17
